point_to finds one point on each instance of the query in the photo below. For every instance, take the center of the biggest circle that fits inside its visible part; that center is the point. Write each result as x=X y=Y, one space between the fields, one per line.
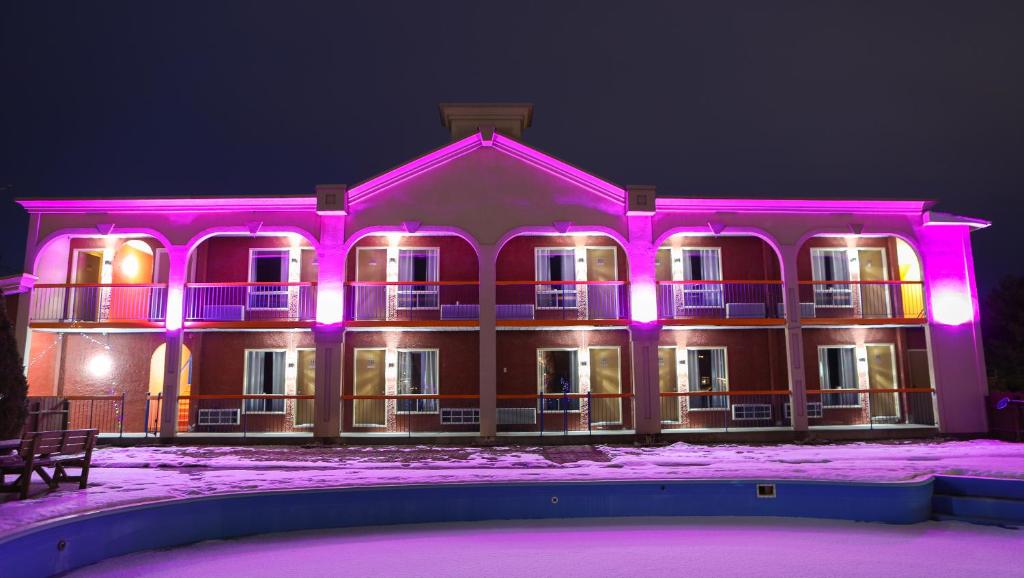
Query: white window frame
x=437 y=380
x=856 y=379
x=536 y=274
x=817 y=287
x=281 y=289
x=432 y=289
x=540 y=378
x=719 y=287
x=725 y=362
x=284 y=385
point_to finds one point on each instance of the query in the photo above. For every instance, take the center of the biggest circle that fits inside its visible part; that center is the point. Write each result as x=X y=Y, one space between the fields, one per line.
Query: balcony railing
x=562 y=300
x=98 y=303
x=720 y=300
x=245 y=414
x=724 y=410
x=224 y=302
x=411 y=414
x=401 y=301
x=564 y=413
x=826 y=300
x=871 y=408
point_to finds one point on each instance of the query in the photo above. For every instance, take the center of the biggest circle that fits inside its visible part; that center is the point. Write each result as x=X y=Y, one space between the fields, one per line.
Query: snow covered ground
x=720 y=547
x=125 y=476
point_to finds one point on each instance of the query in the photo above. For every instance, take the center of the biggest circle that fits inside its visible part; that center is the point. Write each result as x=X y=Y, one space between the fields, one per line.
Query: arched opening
x=727 y=369
x=156 y=386
x=863 y=311
x=564 y=359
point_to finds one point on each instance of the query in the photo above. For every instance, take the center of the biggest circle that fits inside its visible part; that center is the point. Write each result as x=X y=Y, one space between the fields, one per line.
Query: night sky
x=851 y=99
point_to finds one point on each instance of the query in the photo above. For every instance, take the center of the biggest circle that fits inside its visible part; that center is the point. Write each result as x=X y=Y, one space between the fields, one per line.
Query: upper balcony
x=859 y=280
x=412 y=280
x=101 y=281
x=251 y=282
x=718 y=280
x=545 y=280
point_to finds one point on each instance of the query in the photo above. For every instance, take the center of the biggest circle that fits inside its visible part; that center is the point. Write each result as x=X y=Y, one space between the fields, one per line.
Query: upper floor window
x=831 y=265
x=556 y=264
x=702 y=265
x=418 y=265
x=269 y=266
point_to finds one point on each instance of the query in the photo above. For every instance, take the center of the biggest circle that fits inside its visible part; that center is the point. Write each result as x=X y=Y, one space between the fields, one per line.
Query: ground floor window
x=838 y=370
x=558 y=373
x=707 y=373
x=264 y=375
x=417 y=375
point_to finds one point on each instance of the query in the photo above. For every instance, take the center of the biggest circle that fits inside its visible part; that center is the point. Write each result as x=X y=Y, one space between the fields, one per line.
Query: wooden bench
x=58 y=450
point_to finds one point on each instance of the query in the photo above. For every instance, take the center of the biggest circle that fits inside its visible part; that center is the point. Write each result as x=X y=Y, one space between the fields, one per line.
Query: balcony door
x=605 y=379
x=556 y=264
x=369 y=381
x=668 y=381
x=602 y=300
x=305 y=384
x=269 y=266
x=371 y=301
x=702 y=264
x=874 y=297
x=558 y=373
x=84 y=300
x=885 y=407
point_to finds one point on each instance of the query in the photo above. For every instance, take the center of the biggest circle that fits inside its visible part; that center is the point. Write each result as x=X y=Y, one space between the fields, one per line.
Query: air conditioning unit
x=813 y=409
x=517 y=416
x=745 y=310
x=218 y=417
x=460 y=311
x=224 y=313
x=460 y=415
x=514 y=311
x=751 y=411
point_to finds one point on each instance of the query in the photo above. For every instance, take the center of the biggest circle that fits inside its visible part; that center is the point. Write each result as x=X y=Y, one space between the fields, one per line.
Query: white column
x=488 y=343
x=176 y=276
x=644 y=330
x=329 y=331
x=794 y=338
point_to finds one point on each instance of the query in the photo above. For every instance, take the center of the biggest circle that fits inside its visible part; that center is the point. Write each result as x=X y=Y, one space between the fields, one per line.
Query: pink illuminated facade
x=488 y=289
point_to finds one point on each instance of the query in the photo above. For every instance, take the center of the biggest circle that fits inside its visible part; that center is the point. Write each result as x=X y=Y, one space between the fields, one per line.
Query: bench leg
x=50 y=482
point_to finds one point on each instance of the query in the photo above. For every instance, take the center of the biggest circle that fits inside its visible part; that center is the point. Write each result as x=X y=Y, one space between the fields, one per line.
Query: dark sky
x=817 y=98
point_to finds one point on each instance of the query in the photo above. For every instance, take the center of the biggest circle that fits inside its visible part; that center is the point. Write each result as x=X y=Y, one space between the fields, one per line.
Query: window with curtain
x=702 y=265
x=556 y=264
x=707 y=372
x=264 y=376
x=268 y=266
x=838 y=371
x=559 y=373
x=831 y=265
x=417 y=375
x=418 y=265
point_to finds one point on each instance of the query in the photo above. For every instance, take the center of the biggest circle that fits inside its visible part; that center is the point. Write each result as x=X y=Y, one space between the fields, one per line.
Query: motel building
x=488 y=289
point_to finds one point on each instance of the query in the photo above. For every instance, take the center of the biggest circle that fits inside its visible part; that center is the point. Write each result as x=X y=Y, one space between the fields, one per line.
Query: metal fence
x=413 y=301
x=862 y=300
x=724 y=410
x=564 y=413
x=720 y=300
x=871 y=408
x=428 y=414
x=562 y=300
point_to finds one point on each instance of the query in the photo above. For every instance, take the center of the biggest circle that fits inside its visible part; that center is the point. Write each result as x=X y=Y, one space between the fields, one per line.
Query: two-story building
x=489 y=289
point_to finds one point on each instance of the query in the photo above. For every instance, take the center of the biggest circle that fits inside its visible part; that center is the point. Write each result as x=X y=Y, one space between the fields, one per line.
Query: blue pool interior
x=66 y=544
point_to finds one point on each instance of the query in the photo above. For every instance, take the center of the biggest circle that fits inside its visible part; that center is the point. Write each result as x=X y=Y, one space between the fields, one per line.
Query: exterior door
x=369 y=381
x=371 y=301
x=602 y=300
x=919 y=409
x=305 y=380
x=85 y=301
x=874 y=297
x=882 y=375
x=666 y=292
x=668 y=382
x=605 y=379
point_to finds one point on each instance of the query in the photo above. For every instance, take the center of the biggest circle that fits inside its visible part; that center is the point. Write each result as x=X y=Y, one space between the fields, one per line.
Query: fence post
x=120 y=432
x=145 y=416
x=245 y=420
x=541 y=414
x=590 y=413
x=565 y=413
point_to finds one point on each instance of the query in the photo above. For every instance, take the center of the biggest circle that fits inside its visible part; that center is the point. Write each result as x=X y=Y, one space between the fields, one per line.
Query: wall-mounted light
x=130 y=266
x=950 y=307
x=99 y=365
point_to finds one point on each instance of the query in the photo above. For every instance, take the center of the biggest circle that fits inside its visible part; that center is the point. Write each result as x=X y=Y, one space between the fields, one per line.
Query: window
x=556 y=265
x=418 y=265
x=417 y=375
x=707 y=372
x=557 y=371
x=268 y=266
x=831 y=265
x=838 y=371
x=264 y=375
x=702 y=265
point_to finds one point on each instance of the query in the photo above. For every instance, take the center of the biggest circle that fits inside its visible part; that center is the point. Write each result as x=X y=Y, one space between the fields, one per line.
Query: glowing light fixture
x=130 y=266
x=100 y=365
x=950 y=307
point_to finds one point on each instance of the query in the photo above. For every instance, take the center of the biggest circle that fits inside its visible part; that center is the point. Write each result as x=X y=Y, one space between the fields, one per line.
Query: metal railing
x=564 y=413
x=724 y=410
x=250 y=301
x=720 y=300
x=409 y=415
x=98 y=302
x=862 y=300
x=562 y=300
x=241 y=414
x=873 y=408
x=412 y=301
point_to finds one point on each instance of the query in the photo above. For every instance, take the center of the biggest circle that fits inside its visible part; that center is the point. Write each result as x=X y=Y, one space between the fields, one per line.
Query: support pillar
x=488 y=343
x=646 y=389
x=794 y=338
x=644 y=330
x=330 y=348
x=174 y=338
